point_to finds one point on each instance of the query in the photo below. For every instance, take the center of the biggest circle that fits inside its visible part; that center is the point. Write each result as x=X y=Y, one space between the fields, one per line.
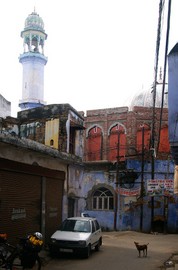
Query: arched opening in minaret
x=35 y=45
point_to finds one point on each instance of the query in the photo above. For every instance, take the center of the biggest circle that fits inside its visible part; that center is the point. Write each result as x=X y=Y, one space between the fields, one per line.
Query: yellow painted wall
x=52 y=132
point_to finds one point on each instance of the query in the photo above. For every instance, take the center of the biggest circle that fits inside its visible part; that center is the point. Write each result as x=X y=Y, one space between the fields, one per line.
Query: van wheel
x=97 y=247
x=54 y=252
x=86 y=252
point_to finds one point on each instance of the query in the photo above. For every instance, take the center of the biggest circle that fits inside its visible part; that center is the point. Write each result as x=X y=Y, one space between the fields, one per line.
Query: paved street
x=119 y=252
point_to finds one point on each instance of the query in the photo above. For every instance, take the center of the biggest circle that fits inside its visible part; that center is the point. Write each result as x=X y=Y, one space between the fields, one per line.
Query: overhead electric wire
x=153 y=108
x=161 y=5
x=164 y=72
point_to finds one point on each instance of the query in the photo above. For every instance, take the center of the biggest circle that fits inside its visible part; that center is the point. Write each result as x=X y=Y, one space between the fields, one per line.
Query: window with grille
x=103 y=199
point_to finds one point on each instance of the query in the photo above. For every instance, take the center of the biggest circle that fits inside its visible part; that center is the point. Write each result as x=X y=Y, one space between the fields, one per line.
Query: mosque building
x=112 y=169
x=116 y=182
x=123 y=163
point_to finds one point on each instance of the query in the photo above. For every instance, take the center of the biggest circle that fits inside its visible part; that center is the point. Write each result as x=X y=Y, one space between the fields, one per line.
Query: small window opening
x=95 y=129
x=52 y=142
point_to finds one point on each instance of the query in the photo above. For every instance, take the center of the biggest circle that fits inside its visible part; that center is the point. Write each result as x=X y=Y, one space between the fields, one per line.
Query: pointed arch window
x=103 y=199
x=95 y=144
x=117 y=143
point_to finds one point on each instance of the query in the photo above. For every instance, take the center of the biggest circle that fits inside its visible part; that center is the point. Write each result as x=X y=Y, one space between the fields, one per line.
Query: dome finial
x=34 y=12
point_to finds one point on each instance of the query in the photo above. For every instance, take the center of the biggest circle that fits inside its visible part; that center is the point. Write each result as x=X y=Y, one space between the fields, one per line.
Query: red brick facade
x=117 y=133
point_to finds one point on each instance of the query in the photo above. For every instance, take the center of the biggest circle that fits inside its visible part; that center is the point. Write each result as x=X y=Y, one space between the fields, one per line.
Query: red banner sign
x=129 y=192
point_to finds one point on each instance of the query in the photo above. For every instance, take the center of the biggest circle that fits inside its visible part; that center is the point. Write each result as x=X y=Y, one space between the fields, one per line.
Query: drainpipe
x=68 y=133
x=101 y=150
x=67 y=191
x=43 y=205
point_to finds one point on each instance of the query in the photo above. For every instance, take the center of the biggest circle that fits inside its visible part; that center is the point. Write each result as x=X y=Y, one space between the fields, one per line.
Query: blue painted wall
x=173 y=101
x=129 y=210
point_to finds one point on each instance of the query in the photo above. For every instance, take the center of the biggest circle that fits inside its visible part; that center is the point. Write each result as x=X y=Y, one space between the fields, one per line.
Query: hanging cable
x=161 y=4
x=153 y=108
x=164 y=72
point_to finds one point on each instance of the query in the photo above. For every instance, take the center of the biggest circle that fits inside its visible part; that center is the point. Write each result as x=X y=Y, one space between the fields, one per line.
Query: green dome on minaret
x=34 y=34
x=34 y=21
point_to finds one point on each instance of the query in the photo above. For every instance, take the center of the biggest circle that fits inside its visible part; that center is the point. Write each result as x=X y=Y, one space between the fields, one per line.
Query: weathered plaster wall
x=5 y=107
x=25 y=155
x=129 y=211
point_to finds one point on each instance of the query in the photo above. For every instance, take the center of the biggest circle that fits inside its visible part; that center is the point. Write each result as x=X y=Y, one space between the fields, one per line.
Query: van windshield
x=75 y=226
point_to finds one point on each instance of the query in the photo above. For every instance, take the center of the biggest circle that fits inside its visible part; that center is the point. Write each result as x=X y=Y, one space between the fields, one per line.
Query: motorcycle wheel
x=17 y=265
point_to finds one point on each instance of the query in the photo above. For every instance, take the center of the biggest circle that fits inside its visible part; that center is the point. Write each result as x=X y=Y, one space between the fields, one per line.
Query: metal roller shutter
x=20 y=203
x=54 y=194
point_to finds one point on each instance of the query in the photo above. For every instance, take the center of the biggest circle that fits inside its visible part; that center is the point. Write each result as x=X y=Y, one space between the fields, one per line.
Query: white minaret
x=33 y=62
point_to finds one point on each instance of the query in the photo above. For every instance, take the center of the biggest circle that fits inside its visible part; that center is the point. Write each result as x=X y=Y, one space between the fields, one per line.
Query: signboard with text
x=160 y=187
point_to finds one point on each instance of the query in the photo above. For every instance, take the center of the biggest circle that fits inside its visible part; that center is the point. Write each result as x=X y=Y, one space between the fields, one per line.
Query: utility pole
x=153 y=152
x=117 y=182
x=165 y=68
x=161 y=3
x=142 y=181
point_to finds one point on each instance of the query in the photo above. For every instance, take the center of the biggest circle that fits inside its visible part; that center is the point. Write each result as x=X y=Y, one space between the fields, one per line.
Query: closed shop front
x=29 y=197
x=54 y=189
x=20 y=204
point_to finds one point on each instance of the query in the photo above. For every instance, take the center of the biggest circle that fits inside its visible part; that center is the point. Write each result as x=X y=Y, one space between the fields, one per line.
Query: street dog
x=142 y=248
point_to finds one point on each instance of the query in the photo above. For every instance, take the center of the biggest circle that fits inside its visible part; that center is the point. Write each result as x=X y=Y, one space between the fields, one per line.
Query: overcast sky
x=100 y=52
